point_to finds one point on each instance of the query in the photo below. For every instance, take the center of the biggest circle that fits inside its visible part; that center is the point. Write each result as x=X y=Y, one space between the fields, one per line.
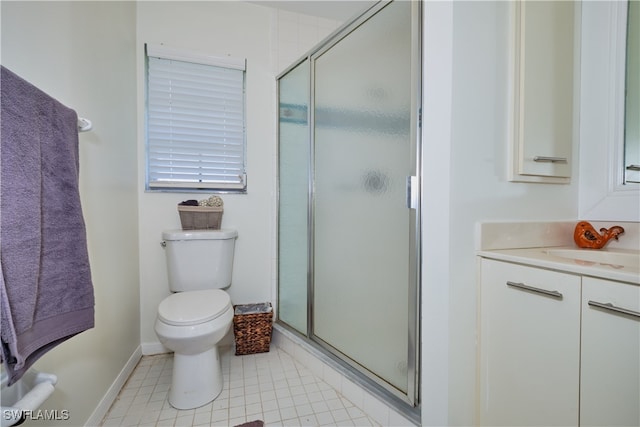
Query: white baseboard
x=110 y=396
x=151 y=348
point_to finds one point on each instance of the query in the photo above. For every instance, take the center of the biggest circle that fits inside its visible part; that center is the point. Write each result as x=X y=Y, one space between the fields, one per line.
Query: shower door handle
x=412 y=192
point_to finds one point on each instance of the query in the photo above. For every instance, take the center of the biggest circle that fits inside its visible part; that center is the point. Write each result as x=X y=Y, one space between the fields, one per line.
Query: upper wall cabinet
x=542 y=122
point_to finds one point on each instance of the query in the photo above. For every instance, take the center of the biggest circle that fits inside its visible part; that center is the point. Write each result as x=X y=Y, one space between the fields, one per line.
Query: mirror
x=632 y=97
x=606 y=192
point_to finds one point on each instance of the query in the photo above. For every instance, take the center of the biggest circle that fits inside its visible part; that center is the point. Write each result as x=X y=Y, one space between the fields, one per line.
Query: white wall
x=470 y=184
x=437 y=62
x=479 y=190
x=269 y=40
x=294 y=34
x=86 y=54
x=81 y=53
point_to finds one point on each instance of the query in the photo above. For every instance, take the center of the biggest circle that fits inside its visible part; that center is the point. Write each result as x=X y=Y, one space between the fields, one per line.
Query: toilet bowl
x=191 y=324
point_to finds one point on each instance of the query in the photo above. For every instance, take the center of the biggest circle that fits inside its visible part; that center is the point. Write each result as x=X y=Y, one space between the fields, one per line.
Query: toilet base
x=197 y=379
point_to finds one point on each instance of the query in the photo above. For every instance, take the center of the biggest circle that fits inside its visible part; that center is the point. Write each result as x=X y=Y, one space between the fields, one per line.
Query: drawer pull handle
x=546 y=159
x=554 y=294
x=610 y=307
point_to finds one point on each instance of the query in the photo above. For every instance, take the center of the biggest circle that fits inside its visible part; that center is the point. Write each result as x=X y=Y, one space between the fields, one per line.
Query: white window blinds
x=195 y=121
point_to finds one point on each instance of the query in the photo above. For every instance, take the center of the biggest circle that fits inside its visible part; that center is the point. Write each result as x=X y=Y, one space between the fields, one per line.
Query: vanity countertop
x=545 y=257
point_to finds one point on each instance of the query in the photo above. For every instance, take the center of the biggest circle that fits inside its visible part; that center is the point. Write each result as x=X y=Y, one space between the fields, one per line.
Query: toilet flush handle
x=163 y=244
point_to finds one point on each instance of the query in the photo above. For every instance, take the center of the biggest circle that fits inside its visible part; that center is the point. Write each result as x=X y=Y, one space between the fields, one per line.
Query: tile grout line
x=272 y=386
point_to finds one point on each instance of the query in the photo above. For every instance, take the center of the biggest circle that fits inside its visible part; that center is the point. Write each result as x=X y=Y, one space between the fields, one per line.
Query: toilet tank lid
x=223 y=234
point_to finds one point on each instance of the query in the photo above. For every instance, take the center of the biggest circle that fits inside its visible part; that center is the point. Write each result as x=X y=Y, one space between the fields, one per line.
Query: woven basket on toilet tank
x=252 y=324
x=200 y=217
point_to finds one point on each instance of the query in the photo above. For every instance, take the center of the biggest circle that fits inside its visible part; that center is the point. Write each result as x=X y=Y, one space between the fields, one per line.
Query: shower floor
x=272 y=387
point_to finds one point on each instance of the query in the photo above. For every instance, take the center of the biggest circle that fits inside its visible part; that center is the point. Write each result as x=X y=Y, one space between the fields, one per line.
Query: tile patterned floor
x=272 y=387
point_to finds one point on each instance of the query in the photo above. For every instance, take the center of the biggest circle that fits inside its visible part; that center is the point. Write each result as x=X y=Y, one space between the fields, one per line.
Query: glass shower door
x=363 y=153
x=293 y=197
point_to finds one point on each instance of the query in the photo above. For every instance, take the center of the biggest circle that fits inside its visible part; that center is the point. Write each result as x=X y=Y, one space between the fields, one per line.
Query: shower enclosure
x=348 y=220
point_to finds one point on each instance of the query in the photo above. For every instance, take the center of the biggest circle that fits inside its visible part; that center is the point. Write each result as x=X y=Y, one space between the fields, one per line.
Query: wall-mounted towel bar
x=22 y=399
x=84 y=125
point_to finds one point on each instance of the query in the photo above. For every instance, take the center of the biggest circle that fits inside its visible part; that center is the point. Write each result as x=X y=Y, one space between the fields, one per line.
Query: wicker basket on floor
x=252 y=325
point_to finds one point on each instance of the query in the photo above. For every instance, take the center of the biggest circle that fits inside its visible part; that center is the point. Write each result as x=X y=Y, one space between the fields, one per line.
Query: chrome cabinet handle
x=633 y=168
x=610 y=307
x=545 y=159
x=554 y=294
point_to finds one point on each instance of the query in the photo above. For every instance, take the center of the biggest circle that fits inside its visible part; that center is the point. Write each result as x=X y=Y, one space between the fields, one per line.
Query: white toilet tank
x=199 y=259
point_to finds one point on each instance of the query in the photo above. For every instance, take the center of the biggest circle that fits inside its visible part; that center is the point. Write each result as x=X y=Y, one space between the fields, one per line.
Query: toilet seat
x=193 y=307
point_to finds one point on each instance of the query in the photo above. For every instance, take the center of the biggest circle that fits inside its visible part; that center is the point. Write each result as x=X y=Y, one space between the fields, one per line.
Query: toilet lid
x=193 y=307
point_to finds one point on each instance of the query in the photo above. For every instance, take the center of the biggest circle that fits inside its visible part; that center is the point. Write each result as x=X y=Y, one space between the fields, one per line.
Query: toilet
x=198 y=314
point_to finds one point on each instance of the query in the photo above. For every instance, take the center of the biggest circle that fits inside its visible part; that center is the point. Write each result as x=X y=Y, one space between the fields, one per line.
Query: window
x=195 y=121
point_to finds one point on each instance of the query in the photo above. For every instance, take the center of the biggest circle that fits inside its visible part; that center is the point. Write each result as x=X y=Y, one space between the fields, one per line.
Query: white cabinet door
x=543 y=92
x=610 y=365
x=529 y=346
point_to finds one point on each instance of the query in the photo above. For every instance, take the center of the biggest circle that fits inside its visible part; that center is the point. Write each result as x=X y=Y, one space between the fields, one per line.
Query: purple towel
x=46 y=293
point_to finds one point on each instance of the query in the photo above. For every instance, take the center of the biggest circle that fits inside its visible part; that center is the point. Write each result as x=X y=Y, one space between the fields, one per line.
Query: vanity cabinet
x=557 y=348
x=530 y=346
x=610 y=357
x=542 y=120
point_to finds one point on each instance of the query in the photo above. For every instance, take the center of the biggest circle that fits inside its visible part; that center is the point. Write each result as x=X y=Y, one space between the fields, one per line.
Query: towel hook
x=84 y=125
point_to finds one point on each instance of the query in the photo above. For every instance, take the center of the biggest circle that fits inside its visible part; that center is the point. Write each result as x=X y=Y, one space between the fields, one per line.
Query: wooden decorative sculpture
x=587 y=237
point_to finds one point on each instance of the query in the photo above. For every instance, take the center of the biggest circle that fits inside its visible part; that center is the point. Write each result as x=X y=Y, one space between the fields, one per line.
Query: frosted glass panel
x=293 y=197
x=362 y=158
